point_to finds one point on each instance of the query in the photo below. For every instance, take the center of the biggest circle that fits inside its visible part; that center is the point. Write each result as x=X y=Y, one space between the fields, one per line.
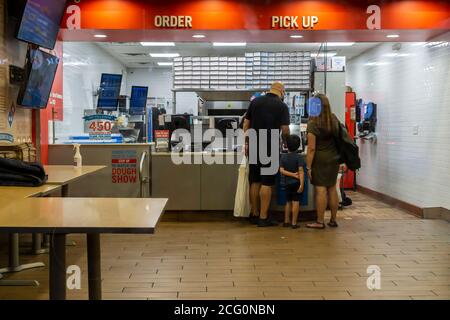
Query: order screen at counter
x=109 y=91
x=138 y=100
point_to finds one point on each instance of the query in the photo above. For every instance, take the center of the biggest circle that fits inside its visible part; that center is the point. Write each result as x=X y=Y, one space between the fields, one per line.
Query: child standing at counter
x=291 y=169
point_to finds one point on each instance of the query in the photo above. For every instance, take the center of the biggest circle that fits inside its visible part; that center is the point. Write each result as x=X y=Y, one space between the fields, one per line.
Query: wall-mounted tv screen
x=108 y=97
x=40 y=22
x=40 y=69
x=138 y=100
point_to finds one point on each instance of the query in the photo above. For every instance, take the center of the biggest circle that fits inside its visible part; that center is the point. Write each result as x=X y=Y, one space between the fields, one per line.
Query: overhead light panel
x=340 y=44
x=395 y=54
x=376 y=63
x=165 y=64
x=164 y=55
x=198 y=36
x=100 y=36
x=392 y=36
x=158 y=44
x=229 y=44
x=296 y=36
x=437 y=44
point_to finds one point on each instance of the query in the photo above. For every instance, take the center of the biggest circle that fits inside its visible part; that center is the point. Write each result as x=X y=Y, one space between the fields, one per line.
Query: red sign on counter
x=123 y=166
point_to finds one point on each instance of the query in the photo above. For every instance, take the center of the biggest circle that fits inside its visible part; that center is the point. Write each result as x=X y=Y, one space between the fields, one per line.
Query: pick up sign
x=99 y=126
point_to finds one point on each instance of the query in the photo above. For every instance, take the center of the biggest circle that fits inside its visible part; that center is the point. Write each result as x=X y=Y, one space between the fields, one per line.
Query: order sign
x=99 y=126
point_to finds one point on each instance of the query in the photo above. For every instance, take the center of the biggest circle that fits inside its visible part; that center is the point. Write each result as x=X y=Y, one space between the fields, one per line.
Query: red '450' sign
x=99 y=126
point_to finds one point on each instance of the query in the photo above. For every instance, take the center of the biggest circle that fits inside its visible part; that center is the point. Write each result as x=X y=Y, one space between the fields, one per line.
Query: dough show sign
x=124 y=166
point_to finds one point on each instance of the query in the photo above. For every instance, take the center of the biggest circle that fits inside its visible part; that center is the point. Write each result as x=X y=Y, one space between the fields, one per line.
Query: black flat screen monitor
x=226 y=123
x=40 y=69
x=40 y=22
x=179 y=121
x=138 y=100
x=108 y=97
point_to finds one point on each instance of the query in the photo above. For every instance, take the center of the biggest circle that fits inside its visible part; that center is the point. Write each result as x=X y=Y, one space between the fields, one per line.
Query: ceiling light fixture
x=396 y=54
x=392 y=36
x=198 y=36
x=165 y=64
x=340 y=44
x=100 y=36
x=376 y=63
x=437 y=44
x=164 y=55
x=158 y=44
x=229 y=44
x=296 y=36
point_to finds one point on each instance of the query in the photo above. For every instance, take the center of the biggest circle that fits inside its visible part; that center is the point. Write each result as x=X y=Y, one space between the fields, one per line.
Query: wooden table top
x=64 y=174
x=82 y=215
x=27 y=192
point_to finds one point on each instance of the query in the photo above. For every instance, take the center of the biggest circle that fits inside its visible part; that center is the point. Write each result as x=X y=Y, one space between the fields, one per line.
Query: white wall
x=411 y=89
x=159 y=81
x=83 y=64
x=335 y=91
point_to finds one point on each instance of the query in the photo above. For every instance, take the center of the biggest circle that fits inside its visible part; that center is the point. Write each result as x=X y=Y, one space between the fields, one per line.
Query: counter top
x=104 y=144
x=227 y=153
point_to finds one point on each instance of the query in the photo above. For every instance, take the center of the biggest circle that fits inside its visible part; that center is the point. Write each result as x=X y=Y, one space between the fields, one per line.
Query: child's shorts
x=291 y=192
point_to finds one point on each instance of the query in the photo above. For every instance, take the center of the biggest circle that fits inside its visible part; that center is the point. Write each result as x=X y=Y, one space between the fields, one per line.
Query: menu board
x=40 y=22
x=36 y=89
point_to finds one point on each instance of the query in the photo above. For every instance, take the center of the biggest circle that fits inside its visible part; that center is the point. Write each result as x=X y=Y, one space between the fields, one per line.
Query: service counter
x=194 y=184
x=125 y=164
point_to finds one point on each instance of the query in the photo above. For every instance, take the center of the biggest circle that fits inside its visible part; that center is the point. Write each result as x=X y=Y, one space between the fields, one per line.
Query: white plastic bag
x=338 y=187
x=242 y=200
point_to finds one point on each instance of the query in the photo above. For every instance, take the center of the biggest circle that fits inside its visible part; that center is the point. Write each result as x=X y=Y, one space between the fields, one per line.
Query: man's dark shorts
x=255 y=176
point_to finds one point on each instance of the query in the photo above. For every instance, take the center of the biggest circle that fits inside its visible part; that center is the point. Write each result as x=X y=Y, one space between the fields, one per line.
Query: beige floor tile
x=228 y=259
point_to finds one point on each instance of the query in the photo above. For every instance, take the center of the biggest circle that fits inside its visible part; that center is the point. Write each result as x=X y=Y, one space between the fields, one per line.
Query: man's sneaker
x=266 y=223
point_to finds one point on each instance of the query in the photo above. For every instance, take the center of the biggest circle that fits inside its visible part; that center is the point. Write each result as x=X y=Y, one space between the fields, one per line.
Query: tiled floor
x=230 y=259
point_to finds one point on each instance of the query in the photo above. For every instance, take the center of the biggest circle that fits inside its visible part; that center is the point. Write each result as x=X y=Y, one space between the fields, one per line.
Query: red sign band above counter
x=255 y=15
x=277 y=22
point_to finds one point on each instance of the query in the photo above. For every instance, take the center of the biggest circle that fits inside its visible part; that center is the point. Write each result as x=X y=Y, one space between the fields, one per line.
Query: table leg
x=57 y=267
x=65 y=190
x=15 y=266
x=46 y=240
x=94 y=266
x=37 y=244
x=65 y=194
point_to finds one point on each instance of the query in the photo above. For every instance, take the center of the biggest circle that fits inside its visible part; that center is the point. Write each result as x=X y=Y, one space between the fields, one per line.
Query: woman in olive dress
x=322 y=162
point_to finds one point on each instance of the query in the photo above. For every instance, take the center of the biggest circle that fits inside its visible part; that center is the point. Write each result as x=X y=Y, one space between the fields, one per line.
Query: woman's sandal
x=332 y=224
x=315 y=225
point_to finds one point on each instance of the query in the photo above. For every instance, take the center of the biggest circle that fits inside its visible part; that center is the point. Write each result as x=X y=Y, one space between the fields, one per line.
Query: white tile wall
x=83 y=64
x=410 y=89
